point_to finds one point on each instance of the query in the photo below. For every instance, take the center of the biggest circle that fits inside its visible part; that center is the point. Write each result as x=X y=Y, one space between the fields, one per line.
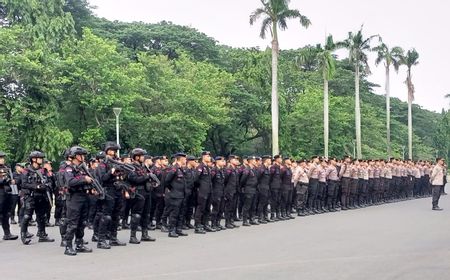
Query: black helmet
x=2 y=154
x=111 y=146
x=36 y=154
x=77 y=150
x=100 y=155
x=66 y=153
x=138 y=152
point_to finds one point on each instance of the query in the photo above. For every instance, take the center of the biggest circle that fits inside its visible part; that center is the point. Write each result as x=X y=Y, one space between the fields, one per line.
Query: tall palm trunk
x=275 y=146
x=410 y=154
x=388 y=113
x=325 y=115
x=357 y=113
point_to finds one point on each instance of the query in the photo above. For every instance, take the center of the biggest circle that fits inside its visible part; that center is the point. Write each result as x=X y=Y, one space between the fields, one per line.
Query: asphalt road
x=405 y=240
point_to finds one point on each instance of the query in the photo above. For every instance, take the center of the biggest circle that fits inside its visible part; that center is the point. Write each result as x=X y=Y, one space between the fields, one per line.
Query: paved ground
x=405 y=240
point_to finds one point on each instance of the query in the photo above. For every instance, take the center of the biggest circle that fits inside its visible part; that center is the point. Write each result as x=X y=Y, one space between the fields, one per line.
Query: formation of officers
x=142 y=193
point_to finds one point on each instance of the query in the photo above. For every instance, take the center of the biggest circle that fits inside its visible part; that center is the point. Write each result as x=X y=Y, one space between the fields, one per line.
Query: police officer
x=263 y=189
x=61 y=197
x=112 y=204
x=286 y=189
x=231 y=190
x=249 y=183
x=187 y=209
x=301 y=182
x=157 y=205
x=15 y=196
x=437 y=182
x=218 y=185
x=204 y=194
x=333 y=185
x=77 y=203
x=140 y=202
x=36 y=198
x=275 y=186
x=175 y=182
x=6 y=180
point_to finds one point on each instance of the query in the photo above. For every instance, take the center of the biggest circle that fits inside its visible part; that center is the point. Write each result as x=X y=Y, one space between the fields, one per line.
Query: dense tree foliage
x=62 y=70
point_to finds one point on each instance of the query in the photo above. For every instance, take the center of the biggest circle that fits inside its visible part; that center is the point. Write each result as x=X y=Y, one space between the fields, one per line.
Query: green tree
x=276 y=13
x=358 y=46
x=390 y=57
x=410 y=59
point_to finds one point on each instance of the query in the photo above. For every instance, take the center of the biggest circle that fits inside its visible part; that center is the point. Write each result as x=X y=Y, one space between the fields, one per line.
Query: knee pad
x=107 y=218
x=136 y=217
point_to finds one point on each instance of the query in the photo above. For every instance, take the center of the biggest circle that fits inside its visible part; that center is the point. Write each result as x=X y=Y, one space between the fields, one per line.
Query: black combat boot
x=25 y=239
x=102 y=244
x=43 y=237
x=209 y=229
x=69 y=250
x=116 y=242
x=181 y=233
x=199 y=230
x=133 y=239
x=9 y=236
x=146 y=238
x=173 y=233
x=80 y=248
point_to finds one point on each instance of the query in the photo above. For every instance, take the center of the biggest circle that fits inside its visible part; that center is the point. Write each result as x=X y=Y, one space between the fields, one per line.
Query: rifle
x=120 y=165
x=95 y=184
x=153 y=177
x=47 y=187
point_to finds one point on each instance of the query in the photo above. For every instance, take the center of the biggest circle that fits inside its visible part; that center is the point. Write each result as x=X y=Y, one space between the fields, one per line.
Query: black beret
x=233 y=157
x=219 y=158
x=191 y=158
x=180 y=155
x=251 y=158
x=266 y=157
x=206 y=153
x=277 y=156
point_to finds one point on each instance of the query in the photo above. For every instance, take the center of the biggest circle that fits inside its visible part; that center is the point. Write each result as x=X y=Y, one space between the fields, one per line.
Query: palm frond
x=266 y=24
x=256 y=15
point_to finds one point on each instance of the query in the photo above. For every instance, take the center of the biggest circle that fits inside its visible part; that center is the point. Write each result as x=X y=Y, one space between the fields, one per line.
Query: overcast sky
x=424 y=25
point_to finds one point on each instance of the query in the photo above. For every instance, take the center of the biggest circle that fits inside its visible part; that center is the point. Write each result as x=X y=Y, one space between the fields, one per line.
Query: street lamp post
x=117 y=113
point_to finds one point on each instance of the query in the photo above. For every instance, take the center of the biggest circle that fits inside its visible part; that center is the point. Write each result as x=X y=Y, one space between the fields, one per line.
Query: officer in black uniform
x=77 y=203
x=112 y=204
x=231 y=191
x=275 y=186
x=6 y=180
x=61 y=197
x=36 y=198
x=140 y=201
x=263 y=188
x=217 y=201
x=204 y=194
x=157 y=205
x=175 y=187
x=189 y=201
x=15 y=194
x=249 y=183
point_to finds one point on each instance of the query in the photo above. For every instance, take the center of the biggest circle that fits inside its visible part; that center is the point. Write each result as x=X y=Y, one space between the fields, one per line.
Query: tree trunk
x=357 y=114
x=410 y=154
x=275 y=121
x=388 y=113
x=325 y=116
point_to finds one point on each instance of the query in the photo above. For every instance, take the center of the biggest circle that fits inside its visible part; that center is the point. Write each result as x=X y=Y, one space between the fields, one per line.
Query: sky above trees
x=422 y=25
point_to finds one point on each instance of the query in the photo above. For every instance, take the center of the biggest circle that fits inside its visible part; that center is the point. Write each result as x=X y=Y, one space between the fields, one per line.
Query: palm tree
x=327 y=65
x=276 y=13
x=357 y=46
x=409 y=60
x=390 y=57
